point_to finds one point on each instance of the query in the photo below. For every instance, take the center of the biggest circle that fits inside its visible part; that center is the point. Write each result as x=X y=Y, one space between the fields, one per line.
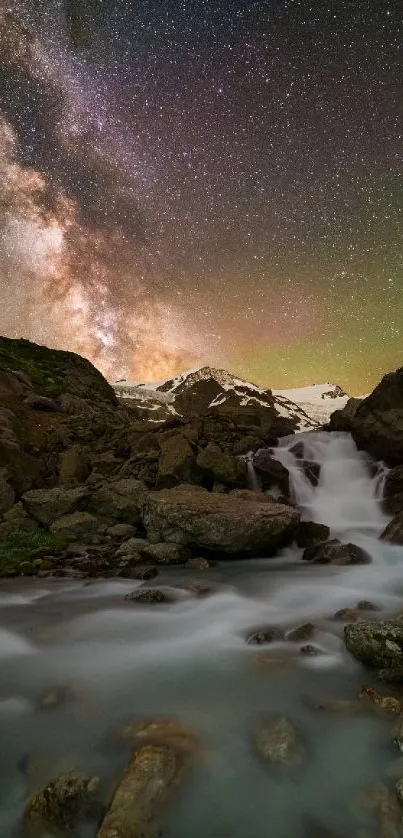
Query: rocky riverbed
x=201 y=622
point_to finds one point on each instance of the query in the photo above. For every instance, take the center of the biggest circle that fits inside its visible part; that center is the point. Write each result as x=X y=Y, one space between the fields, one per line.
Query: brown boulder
x=238 y=523
x=394 y=530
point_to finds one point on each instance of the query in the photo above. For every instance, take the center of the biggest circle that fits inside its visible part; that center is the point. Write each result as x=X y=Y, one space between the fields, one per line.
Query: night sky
x=197 y=181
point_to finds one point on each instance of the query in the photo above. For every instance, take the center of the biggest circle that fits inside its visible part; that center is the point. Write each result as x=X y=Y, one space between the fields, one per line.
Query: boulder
x=65 y=802
x=239 y=523
x=279 y=742
x=46 y=505
x=271 y=472
x=146 y=574
x=221 y=466
x=393 y=490
x=309 y=532
x=177 y=462
x=376 y=644
x=74 y=466
x=393 y=533
x=376 y=422
x=152 y=774
x=78 y=525
x=121 y=532
x=336 y=553
x=118 y=501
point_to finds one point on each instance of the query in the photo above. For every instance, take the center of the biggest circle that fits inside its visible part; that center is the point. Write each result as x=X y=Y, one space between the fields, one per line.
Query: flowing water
x=190 y=660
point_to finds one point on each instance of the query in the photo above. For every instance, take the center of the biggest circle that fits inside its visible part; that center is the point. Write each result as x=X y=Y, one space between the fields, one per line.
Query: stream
x=190 y=660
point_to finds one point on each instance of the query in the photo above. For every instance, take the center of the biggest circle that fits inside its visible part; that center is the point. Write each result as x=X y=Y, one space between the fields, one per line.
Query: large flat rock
x=239 y=523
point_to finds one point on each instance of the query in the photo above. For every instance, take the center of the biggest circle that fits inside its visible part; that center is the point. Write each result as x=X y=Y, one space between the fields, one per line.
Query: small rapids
x=191 y=660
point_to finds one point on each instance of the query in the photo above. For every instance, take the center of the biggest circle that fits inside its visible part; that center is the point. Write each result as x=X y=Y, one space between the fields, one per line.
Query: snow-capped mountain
x=319 y=401
x=199 y=390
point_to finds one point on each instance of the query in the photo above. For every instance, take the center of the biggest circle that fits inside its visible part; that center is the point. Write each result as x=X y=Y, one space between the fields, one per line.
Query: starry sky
x=186 y=182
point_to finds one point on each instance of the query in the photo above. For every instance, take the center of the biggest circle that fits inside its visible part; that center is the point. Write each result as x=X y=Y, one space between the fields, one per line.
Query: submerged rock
x=377 y=644
x=309 y=532
x=265 y=635
x=301 y=633
x=151 y=776
x=65 y=802
x=336 y=553
x=279 y=742
x=150 y=596
x=386 y=704
x=166 y=731
x=198 y=563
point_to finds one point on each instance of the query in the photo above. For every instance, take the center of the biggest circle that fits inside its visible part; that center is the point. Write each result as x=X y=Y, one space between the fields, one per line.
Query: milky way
x=204 y=182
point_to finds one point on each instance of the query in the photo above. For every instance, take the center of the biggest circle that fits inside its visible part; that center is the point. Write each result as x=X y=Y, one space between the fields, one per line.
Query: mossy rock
x=17 y=550
x=53 y=371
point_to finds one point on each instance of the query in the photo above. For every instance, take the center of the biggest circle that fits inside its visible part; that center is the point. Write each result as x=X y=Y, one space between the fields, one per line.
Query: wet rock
x=161 y=731
x=221 y=466
x=240 y=522
x=336 y=553
x=271 y=472
x=393 y=490
x=47 y=505
x=198 y=563
x=265 y=635
x=311 y=471
x=377 y=644
x=150 y=596
x=78 y=525
x=304 y=632
x=151 y=776
x=388 y=705
x=147 y=573
x=65 y=802
x=310 y=651
x=393 y=533
x=309 y=532
x=199 y=589
x=348 y=615
x=279 y=742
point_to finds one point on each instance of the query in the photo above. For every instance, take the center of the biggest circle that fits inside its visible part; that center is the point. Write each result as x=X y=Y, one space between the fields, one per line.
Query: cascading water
x=191 y=659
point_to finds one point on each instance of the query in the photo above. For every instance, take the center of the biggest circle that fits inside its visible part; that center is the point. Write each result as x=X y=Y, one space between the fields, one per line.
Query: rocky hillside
x=194 y=393
x=83 y=472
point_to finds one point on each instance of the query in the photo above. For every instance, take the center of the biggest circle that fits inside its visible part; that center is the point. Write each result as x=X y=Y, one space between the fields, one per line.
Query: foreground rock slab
x=150 y=778
x=279 y=742
x=377 y=644
x=241 y=522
